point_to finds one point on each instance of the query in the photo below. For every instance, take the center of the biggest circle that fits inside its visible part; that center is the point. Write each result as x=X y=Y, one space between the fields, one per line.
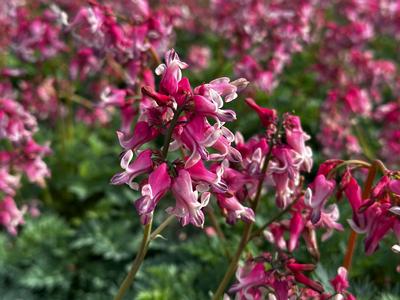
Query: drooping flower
x=188 y=206
x=234 y=209
x=171 y=72
x=142 y=164
x=10 y=216
x=157 y=186
x=268 y=117
x=318 y=194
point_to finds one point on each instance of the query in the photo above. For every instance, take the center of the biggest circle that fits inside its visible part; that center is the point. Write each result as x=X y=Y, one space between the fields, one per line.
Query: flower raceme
x=282 y=278
x=192 y=121
x=214 y=160
x=24 y=157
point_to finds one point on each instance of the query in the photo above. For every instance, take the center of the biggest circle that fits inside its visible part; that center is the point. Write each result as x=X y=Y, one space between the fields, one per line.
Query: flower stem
x=147 y=237
x=272 y=220
x=136 y=263
x=219 y=231
x=161 y=227
x=351 y=244
x=168 y=137
x=356 y=163
x=246 y=232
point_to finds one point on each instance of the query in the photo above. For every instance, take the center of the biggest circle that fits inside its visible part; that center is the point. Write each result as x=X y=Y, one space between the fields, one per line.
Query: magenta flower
x=226 y=89
x=188 y=208
x=285 y=173
x=268 y=117
x=171 y=72
x=234 y=210
x=200 y=174
x=394 y=186
x=196 y=136
x=199 y=57
x=296 y=227
x=84 y=63
x=371 y=216
x=224 y=148
x=340 y=283
x=207 y=106
x=275 y=235
x=157 y=186
x=8 y=182
x=17 y=124
x=143 y=133
x=142 y=164
x=328 y=219
x=296 y=138
x=249 y=276
x=10 y=215
x=316 y=196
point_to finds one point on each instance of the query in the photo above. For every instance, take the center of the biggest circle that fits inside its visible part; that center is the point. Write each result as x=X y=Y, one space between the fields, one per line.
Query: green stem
x=355 y=162
x=272 y=220
x=246 y=232
x=136 y=263
x=219 y=231
x=170 y=131
x=147 y=237
x=161 y=227
x=360 y=134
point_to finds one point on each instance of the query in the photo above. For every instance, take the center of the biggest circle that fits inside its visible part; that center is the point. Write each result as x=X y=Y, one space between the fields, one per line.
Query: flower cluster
x=192 y=121
x=24 y=156
x=281 y=277
x=288 y=153
x=374 y=214
x=359 y=81
x=245 y=25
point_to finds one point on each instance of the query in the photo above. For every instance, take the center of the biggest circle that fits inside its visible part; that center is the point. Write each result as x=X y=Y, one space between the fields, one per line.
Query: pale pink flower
x=142 y=164
x=10 y=216
x=316 y=196
x=188 y=206
x=157 y=186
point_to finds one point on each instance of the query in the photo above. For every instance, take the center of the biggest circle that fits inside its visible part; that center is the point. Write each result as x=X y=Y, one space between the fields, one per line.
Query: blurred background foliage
x=85 y=239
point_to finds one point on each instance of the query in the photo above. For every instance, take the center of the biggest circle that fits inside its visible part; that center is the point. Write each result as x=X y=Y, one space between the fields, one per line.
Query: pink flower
x=199 y=57
x=8 y=183
x=16 y=124
x=234 y=209
x=353 y=194
x=10 y=215
x=296 y=138
x=158 y=184
x=224 y=148
x=196 y=136
x=316 y=196
x=84 y=63
x=296 y=227
x=142 y=164
x=370 y=216
x=188 y=208
x=224 y=88
x=200 y=174
x=171 y=72
x=250 y=275
x=275 y=235
x=268 y=117
x=394 y=186
x=142 y=134
x=328 y=219
x=285 y=173
x=209 y=106
x=340 y=283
